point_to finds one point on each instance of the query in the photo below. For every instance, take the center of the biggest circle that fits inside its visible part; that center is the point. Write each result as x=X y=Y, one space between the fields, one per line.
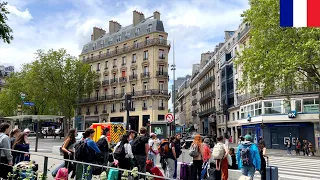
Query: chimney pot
x=156 y=15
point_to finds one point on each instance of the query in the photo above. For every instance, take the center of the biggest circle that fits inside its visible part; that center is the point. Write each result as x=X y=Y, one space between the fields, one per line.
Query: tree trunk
x=65 y=126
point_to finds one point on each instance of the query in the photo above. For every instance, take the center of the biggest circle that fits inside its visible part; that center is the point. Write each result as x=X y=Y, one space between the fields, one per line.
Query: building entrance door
x=274 y=140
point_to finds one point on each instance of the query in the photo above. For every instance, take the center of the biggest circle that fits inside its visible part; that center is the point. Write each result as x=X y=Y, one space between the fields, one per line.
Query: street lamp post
x=173 y=68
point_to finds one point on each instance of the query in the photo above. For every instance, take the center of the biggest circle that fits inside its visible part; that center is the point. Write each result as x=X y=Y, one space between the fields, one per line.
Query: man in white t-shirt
x=153 y=147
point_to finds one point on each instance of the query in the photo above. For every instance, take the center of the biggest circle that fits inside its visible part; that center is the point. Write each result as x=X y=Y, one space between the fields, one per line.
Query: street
x=45 y=145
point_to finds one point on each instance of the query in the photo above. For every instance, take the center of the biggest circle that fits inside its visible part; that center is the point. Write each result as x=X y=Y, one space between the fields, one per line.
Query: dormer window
x=119 y=38
x=137 y=31
x=149 y=28
x=128 y=35
x=94 y=46
x=85 y=48
x=102 y=43
x=110 y=41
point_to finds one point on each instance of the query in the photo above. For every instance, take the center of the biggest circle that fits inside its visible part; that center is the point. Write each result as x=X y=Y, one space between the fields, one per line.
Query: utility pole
x=128 y=107
x=173 y=68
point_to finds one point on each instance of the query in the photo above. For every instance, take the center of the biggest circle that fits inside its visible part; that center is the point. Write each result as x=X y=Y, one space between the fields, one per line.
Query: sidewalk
x=52 y=163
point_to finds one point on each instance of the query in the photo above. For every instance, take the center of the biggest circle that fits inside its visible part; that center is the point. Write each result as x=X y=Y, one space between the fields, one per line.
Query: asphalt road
x=45 y=145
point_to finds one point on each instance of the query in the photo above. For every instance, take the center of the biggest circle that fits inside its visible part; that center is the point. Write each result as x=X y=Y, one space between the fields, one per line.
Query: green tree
x=277 y=58
x=5 y=30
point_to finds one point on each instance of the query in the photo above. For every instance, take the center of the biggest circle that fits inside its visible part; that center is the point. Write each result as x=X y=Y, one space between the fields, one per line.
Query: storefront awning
x=33 y=117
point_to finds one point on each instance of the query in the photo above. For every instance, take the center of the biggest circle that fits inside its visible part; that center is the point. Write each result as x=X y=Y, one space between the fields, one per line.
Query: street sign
x=169 y=117
x=22 y=96
x=292 y=114
x=28 y=103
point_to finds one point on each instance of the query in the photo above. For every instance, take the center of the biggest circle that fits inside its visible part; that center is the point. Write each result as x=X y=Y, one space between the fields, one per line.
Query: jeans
x=153 y=157
x=248 y=171
x=288 y=151
x=141 y=161
x=87 y=175
x=175 y=169
x=197 y=168
x=170 y=167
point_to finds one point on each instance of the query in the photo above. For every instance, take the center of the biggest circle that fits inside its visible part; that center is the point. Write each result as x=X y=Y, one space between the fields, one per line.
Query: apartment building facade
x=132 y=60
x=183 y=105
x=5 y=71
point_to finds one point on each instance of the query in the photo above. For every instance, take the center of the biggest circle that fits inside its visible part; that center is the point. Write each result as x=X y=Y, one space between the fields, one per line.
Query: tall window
x=98 y=67
x=161 y=53
x=161 y=85
x=114 y=62
x=133 y=71
x=123 y=89
x=144 y=103
x=135 y=43
x=145 y=55
x=105 y=92
x=108 y=51
x=161 y=68
x=134 y=58
x=161 y=38
x=106 y=65
x=125 y=46
x=116 y=49
x=114 y=91
x=272 y=107
x=161 y=103
x=133 y=90
x=124 y=60
x=133 y=105
x=96 y=108
x=258 y=109
x=113 y=107
x=137 y=31
x=145 y=69
x=88 y=109
x=104 y=107
x=145 y=86
x=100 y=54
x=123 y=74
x=97 y=94
x=298 y=105
x=149 y=28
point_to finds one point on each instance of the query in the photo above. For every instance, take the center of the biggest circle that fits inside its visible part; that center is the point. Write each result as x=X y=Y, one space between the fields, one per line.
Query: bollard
x=45 y=168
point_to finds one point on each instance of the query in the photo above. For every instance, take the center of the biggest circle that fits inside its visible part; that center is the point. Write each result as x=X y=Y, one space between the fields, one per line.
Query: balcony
x=162 y=57
x=194 y=113
x=194 y=91
x=114 y=81
x=161 y=108
x=96 y=112
x=162 y=74
x=207 y=112
x=145 y=58
x=145 y=75
x=122 y=109
x=123 y=64
x=104 y=112
x=105 y=82
x=207 y=97
x=135 y=47
x=206 y=83
x=87 y=113
x=114 y=66
x=133 y=77
x=122 y=79
x=96 y=84
x=194 y=102
x=113 y=110
x=133 y=61
x=144 y=108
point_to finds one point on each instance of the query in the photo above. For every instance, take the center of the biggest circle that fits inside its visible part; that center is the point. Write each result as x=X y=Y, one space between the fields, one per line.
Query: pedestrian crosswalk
x=295 y=168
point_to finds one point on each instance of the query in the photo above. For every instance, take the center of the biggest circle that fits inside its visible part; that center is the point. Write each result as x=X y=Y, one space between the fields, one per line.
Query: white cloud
x=192 y=25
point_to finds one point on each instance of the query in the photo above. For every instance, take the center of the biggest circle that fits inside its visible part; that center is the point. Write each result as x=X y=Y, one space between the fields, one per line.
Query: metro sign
x=292 y=114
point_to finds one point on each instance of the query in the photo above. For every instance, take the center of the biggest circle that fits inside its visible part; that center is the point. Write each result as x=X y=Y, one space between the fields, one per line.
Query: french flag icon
x=300 y=13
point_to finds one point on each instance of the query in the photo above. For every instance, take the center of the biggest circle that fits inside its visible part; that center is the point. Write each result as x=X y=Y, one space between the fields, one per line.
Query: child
x=233 y=157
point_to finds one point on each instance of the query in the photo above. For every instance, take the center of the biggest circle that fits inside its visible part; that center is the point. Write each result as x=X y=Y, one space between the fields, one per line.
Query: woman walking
x=68 y=150
x=13 y=136
x=21 y=145
x=263 y=154
x=124 y=162
x=197 y=146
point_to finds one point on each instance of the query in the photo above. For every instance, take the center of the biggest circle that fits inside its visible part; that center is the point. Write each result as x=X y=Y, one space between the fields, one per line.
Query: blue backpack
x=245 y=155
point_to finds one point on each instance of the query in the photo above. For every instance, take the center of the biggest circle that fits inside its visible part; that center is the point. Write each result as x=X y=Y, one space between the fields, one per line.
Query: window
x=124 y=60
x=251 y=109
x=98 y=67
x=113 y=107
x=128 y=35
x=161 y=85
x=233 y=116
x=91 y=56
x=125 y=46
x=145 y=55
x=105 y=92
x=115 y=63
x=149 y=28
x=133 y=71
x=145 y=69
x=119 y=38
x=110 y=40
x=114 y=91
x=238 y=115
x=144 y=103
x=161 y=54
x=161 y=38
x=114 y=77
x=147 y=39
x=134 y=58
x=104 y=107
x=145 y=86
x=258 y=109
x=83 y=58
x=310 y=105
x=133 y=105
x=108 y=51
x=135 y=43
x=161 y=68
x=88 y=109
x=132 y=88
x=94 y=46
x=116 y=49
x=161 y=103
x=96 y=108
x=287 y=107
x=272 y=107
x=123 y=74
x=100 y=54
x=298 y=105
x=106 y=65
x=123 y=89
x=102 y=43
x=97 y=94
x=137 y=31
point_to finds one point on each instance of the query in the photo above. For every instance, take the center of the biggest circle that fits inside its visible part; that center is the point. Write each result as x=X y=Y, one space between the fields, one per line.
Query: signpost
x=22 y=96
x=169 y=117
x=28 y=103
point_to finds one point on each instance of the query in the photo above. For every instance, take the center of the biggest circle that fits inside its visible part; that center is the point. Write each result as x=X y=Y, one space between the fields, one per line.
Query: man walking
x=140 y=149
x=153 y=147
x=248 y=157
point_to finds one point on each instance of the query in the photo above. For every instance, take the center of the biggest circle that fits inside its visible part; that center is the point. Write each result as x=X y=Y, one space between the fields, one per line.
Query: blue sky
x=196 y=25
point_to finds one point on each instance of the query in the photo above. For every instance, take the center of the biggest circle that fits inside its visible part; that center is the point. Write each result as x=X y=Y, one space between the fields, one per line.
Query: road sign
x=28 y=103
x=169 y=117
x=22 y=96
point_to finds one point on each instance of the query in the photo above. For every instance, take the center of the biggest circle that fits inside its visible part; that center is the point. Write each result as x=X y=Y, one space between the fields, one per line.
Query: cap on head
x=153 y=134
x=248 y=137
x=26 y=130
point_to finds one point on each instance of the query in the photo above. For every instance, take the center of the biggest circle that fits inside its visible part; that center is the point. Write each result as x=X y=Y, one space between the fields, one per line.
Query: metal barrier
x=44 y=174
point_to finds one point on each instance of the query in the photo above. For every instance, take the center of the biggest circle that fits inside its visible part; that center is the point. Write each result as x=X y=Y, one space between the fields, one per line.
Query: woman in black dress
x=262 y=152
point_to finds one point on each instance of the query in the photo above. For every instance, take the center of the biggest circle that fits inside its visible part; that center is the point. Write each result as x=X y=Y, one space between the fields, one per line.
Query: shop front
x=275 y=134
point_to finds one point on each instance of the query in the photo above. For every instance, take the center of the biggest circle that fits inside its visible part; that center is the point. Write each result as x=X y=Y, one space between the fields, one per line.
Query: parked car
x=79 y=135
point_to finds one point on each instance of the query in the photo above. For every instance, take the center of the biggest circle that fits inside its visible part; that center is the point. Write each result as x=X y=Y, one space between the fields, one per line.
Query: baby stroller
x=25 y=169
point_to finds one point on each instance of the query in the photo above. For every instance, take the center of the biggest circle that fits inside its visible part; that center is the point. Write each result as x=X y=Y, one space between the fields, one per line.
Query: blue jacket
x=92 y=145
x=254 y=152
x=20 y=156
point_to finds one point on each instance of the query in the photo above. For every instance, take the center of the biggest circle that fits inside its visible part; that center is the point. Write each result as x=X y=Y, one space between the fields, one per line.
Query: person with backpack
x=220 y=154
x=68 y=150
x=89 y=152
x=178 y=153
x=171 y=157
x=103 y=146
x=123 y=153
x=196 y=152
x=153 y=148
x=140 y=149
x=248 y=157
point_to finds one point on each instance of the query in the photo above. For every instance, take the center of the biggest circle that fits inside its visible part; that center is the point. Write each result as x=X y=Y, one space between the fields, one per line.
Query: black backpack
x=103 y=145
x=81 y=151
x=120 y=152
x=245 y=155
x=136 y=146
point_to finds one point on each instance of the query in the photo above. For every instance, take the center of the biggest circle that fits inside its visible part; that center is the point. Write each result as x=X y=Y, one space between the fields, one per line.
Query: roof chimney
x=156 y=15
x=137 y=17
x=111 y=27
x=97 y=32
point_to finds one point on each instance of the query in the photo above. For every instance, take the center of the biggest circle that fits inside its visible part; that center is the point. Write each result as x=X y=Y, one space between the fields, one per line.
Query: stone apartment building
x=131 y=59
x=5 y=72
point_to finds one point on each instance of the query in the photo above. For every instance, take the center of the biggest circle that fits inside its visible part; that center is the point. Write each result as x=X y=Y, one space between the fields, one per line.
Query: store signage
x=292 y=114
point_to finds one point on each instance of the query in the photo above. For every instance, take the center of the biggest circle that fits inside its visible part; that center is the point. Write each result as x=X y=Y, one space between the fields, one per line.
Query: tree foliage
x=54 y=82
x=5 y=30
x=278 y=58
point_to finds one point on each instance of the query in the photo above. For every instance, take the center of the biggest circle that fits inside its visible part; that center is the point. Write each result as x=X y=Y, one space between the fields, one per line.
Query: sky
x=195 y=25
